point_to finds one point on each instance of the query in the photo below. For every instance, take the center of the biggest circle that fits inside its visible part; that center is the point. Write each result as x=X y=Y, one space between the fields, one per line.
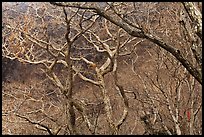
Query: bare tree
x=103 y=65
x=119 y=18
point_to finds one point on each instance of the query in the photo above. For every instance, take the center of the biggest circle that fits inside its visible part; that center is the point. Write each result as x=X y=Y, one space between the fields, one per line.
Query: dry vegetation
x=102 y=68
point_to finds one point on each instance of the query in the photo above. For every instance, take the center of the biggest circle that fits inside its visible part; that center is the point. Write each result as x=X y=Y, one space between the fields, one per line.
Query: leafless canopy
x=102 y=68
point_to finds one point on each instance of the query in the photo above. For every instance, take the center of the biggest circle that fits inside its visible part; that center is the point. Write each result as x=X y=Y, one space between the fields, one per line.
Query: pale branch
x=43 y=62
x=105 y=46
x=192 y=40
x=55 y=80
x=107 y=30
x=62 y=62
x=133 y=48
x=163 y=125
x=125 y=101
x=95 y=46
x=178 y=99
x=119 y=86
x=107 y=66
x=195 y=16
x=85 y=78
x=50 y=68
x=80 y=106
x=88 y=62
x=129 y=39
